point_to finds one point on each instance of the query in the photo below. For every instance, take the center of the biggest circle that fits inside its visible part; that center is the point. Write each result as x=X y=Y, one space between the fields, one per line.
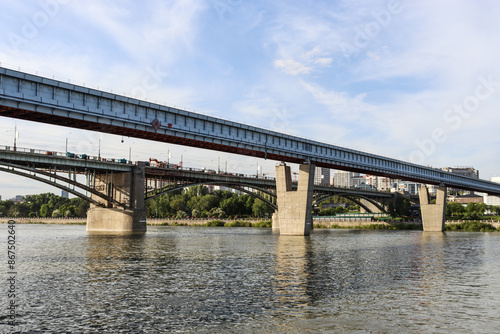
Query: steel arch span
x=353 y=198
x=31 y=173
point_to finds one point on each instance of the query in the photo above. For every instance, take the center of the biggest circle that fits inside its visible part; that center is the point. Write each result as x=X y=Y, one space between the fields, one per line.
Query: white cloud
x=291 y=67
x=323 y=61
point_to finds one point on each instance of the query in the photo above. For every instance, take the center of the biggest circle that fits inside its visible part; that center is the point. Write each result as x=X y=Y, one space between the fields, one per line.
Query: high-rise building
x=410 y=187
x=379 y=182
x=64 y=193
x=322 y=176
x=345 y=179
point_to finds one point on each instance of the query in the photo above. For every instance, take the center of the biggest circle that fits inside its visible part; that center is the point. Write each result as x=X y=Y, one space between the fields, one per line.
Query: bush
x=238 y=224
x=215 y=223
x=473 y=226
x=266 y=223
x=56 y=213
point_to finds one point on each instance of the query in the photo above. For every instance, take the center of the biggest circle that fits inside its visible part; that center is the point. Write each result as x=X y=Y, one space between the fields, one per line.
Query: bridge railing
x=68 y=155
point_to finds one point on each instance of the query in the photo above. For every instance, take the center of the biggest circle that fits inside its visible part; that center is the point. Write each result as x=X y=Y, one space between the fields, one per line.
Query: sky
x=417 y=81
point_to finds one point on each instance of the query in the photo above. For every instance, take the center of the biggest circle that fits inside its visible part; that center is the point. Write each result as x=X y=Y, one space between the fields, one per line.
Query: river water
x=247 y=280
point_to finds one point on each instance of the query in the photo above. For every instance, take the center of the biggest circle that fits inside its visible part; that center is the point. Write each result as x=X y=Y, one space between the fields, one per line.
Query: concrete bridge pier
x=128 y=189
x=276 y=222
x=294 y=216
x=433 y=215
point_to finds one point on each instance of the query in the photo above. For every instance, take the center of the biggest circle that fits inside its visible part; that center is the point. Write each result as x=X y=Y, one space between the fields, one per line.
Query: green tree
x=231 y=206
x=454 y=209
x=261 y=209
x=18 y=210
x=216 y=212
x=180 y=214
x=45 y=211
x=56 y=213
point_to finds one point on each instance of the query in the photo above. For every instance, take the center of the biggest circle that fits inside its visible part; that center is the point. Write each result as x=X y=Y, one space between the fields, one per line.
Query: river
x=247 y=280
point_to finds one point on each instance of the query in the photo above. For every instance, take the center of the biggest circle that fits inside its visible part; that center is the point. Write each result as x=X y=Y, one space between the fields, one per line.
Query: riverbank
x=454 y=225
x=151 y=222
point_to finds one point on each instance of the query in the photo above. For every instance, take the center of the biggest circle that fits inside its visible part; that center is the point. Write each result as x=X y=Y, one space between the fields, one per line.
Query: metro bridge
x=35 y=98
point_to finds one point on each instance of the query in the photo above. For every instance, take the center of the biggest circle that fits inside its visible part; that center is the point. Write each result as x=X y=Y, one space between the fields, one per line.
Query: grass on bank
x=220 y=223
x=473 y=226
x=373 y=227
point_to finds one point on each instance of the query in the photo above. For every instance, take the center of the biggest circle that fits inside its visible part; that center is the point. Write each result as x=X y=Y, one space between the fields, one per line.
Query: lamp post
x=67 y=142
x=16 y=135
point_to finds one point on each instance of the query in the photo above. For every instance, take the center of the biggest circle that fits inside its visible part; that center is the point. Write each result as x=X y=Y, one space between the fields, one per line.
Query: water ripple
x=181 y=279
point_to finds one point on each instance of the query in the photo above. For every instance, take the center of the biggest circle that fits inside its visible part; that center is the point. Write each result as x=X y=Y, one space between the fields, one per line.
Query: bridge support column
x=128 y=188
x=294 y=216
x=433 y=215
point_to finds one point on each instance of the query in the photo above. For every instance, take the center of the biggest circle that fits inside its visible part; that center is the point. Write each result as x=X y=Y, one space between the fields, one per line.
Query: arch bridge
x=118 y=184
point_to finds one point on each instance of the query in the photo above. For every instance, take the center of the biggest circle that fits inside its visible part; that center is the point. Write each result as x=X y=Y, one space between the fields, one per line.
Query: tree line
x=45 y=205
x=471 y=211
x=197 y=202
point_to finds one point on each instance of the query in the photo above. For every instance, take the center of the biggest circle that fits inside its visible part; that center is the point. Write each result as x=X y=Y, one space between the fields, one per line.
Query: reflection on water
x=292 y=271
x=187 y=279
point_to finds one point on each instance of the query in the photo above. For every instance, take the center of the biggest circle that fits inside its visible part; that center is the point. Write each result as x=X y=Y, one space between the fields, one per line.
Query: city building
x=464 y=171
x=346 y=179
x=64 y=193
x=489 y=199
x=322 y=176
x=381 y=183
x=410 y=187
x=469 y=198
x=18 y=199
x=212 y=188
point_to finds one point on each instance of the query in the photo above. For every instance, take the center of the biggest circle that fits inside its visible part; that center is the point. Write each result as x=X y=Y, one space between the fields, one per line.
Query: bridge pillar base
x=276 y=223
x=433 y=215
x=294 y=216
x=119 y=221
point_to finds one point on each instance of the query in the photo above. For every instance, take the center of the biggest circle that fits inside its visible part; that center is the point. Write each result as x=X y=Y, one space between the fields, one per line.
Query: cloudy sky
x=417 y=81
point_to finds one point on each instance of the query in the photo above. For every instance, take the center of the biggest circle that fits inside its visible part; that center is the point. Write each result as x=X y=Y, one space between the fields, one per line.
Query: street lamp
x=67 y=142
x=16 y=135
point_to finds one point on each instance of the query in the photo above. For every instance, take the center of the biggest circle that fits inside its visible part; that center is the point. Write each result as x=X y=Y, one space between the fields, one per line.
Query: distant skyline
x=414 y=81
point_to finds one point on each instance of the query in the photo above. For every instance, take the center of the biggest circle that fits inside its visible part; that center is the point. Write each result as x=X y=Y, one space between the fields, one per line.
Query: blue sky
x=417 y=81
